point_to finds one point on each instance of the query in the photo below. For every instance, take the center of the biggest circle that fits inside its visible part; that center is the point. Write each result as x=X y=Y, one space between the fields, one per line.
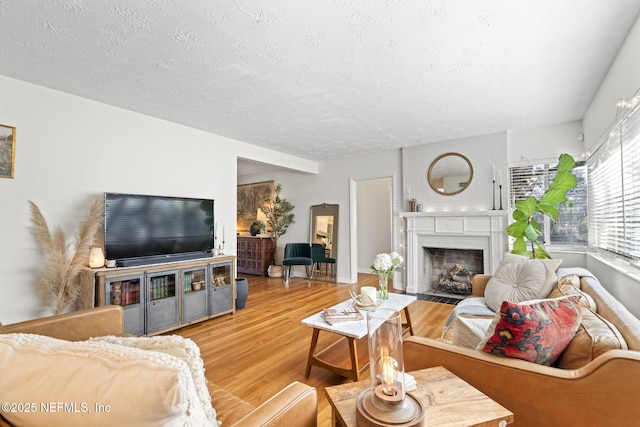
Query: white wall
x=70 y=150
x=483 y=152
x=619 y=278
x=545 y=144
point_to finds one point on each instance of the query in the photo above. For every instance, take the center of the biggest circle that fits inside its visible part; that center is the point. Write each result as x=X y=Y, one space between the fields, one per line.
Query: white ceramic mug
x=368 y=294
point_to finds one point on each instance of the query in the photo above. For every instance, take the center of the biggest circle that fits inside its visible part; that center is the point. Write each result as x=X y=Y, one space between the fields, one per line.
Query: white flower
x=382 y=263
x=386 y=263
x=396 y=259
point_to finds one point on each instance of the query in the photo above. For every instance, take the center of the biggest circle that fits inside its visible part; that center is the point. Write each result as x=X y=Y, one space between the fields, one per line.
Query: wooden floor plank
x=260 y=349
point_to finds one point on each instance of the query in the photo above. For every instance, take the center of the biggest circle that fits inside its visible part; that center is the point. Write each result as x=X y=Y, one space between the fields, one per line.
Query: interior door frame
x=353 y=210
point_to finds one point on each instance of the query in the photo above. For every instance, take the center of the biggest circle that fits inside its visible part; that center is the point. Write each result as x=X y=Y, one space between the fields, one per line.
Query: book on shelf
x=125 y=292
x=341 y=315
x=159 y=287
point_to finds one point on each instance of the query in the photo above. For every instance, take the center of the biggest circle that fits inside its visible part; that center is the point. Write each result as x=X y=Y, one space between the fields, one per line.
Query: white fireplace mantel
x=483 y=230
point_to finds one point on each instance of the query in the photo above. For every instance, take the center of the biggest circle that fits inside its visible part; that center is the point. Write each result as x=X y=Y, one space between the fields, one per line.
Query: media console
x=160 y=297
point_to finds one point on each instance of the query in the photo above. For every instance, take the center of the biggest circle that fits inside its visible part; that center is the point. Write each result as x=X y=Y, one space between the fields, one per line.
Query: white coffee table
x=342 y=356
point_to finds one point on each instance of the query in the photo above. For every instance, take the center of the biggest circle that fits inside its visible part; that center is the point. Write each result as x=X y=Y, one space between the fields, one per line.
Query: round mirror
x=450 y=174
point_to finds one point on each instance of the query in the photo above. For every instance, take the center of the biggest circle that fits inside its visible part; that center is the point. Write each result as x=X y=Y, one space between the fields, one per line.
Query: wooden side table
x=448 y=401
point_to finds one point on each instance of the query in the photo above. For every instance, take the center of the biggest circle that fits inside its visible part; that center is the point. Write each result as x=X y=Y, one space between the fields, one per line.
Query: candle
x=222 y=233
x=499 y=177
x=388 y=377
x=388 y=368
x=494 y=172
x=388 y=390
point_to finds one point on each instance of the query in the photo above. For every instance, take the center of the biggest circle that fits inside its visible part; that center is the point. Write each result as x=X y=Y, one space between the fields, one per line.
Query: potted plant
x=526 y=230
x=279 y=216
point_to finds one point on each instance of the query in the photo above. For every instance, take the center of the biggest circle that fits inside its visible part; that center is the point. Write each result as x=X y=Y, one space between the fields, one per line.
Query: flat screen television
x=142 y=229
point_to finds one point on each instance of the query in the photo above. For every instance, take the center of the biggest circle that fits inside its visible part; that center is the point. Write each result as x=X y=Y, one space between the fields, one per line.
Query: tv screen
x=140 y=226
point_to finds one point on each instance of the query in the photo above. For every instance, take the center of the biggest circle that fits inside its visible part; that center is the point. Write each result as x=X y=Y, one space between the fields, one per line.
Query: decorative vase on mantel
x=383 y=286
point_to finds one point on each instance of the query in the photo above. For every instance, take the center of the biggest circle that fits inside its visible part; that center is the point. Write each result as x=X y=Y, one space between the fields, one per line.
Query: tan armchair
x=294 y=405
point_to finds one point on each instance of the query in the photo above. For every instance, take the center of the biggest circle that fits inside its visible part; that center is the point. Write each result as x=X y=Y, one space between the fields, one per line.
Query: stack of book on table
x=341 y=315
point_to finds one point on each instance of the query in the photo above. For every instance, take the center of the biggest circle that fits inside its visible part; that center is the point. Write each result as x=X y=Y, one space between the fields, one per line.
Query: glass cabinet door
x=221 y=289
x=162 y=301
x=194 y=293
x=220 y=275
x=162 y=285
x=128 y=292
x=124 y=292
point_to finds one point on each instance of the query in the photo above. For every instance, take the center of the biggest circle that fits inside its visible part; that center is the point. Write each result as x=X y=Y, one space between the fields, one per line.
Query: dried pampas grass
x=59 y=278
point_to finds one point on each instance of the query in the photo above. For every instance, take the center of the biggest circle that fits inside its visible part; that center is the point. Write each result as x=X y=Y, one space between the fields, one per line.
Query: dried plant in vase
x=59 y=278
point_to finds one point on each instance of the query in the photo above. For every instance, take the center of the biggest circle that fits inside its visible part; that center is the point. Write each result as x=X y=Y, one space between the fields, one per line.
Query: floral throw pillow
x=537 y=331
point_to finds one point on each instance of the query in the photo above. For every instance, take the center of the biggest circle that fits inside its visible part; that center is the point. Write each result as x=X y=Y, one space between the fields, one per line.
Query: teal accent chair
x=319 y=256
x=297 y=254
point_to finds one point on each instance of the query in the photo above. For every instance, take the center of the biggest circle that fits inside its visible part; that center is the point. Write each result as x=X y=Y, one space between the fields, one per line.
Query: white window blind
x=533 y=180
x=614 y=193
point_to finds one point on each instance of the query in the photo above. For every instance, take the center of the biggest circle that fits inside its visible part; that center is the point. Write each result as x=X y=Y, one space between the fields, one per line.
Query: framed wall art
x=7 y=150
x=250 y=198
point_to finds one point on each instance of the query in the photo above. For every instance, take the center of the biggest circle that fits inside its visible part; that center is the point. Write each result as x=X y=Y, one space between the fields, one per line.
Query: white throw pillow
x=95 y=383
x=566 y=287
x=554 y=263
x=470 y=330
x=177 y=346
x=520 y=281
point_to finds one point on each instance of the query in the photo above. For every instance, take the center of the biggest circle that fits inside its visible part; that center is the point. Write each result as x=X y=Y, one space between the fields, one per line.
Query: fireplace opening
x=449 y=271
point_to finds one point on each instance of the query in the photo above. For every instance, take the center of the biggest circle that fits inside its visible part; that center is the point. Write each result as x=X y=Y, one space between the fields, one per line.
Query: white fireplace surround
x=483 y=230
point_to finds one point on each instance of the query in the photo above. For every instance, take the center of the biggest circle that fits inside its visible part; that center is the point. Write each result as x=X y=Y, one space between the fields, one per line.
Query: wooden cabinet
x=255 y=254
x=161 y=297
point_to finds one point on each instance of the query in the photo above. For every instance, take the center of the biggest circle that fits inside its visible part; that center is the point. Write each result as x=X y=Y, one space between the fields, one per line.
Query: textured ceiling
x=323 y=79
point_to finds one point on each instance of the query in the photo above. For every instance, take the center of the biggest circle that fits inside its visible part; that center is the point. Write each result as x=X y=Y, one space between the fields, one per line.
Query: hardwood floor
x=260 y=349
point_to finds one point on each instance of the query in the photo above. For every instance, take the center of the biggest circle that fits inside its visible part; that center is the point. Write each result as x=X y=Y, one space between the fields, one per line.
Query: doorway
x=371 y=218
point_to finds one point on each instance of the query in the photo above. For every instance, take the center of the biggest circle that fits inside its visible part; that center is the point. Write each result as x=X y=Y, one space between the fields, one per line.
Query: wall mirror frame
x=323 y=230
x=450 y=174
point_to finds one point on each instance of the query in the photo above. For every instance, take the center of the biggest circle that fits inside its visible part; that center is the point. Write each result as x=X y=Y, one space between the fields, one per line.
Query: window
x=614 y=193
x=571 y=229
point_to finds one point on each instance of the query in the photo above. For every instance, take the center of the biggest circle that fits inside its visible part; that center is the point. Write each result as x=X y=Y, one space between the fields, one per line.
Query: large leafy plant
x=278 y=213
x=526 y=230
